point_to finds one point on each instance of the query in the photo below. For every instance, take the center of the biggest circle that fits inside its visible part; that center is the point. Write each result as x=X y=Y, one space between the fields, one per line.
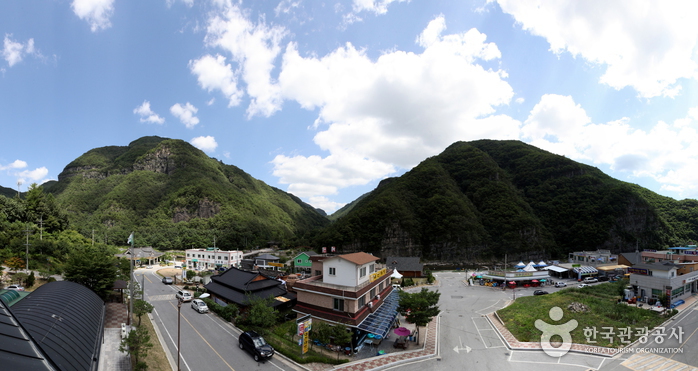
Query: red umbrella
x=401 y=331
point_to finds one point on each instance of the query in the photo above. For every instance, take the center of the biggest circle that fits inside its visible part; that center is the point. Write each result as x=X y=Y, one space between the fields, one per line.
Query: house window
x=362 y=272
x=362 y=301
x=299 y=261
x=333 y=271
x=372 y=268
x=317 y=273
x=373 y=292
x=380 y=287
x=339 y=304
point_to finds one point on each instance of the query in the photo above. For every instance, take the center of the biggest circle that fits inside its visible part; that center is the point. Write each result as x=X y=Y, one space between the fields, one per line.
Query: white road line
x=172 y=340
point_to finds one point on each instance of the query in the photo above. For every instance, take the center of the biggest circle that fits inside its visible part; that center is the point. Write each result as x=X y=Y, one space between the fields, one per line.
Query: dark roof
x=632 y=257
x=664 y=266
x=141 y=252
x=67 y=337
x=17 y=349
x=267 y=257
x=235 y=285
x=407 y=264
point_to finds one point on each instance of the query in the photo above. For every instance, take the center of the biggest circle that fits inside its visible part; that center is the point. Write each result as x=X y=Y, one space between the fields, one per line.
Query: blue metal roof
x=380 y=321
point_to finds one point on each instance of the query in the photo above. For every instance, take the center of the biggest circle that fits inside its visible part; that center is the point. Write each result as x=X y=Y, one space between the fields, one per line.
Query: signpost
x=304 y=324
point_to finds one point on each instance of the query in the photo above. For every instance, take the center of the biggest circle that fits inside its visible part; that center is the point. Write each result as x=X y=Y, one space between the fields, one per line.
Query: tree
x=92 y=267
x=419 y=307
x=141 y=307
x=29 y=282
x=15 y=263
x=137 y=344
x=261 y=314
x=190 y=274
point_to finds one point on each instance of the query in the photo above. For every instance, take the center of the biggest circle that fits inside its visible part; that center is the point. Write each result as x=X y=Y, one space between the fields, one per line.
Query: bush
x=407 y=282
x=30 y=280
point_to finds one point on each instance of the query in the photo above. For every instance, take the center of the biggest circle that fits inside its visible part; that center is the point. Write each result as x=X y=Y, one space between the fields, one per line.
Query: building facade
x=650 y=280
x=350 y=289
x=210 y=258
x=302 y=263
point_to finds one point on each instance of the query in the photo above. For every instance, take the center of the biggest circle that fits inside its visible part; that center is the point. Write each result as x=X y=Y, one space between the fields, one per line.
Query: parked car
x=560 y=284
x=255 y=345
x=184 y=295
x=582 y=285
x=591 y=280
x=603 y=279
x=199 y=306
x=167 y=280
x=540 y=292
x=15 y=287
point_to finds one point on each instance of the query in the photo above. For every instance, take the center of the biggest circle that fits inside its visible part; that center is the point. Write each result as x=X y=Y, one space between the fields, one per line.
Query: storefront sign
x=377 y=275
x=642 y=271
x=280 y=265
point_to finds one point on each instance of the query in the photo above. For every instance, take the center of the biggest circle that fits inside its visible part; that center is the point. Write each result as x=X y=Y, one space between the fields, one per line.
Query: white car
x=183 y=295
x=582 y=285
x=199 y=306
x=560 y=284
x=15 y=287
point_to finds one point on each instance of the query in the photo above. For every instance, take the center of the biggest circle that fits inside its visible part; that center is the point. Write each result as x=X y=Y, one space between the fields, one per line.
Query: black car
x=167 y=280
x=540 y=292
x=603 y=279
x=255 y=344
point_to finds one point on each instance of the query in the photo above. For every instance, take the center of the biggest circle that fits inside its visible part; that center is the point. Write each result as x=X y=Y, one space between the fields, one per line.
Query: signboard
x=306 y=342
x=376 y=275
x=304 y=324
x=642 y=271
x=690 y=252
x=576 y=265
x=276 y=264
x=324 y=250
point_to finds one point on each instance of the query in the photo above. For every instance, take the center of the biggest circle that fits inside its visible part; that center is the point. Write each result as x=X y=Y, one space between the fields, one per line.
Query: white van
x=591 y=280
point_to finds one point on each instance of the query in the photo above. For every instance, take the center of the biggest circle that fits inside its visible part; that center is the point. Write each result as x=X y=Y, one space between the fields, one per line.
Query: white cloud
x=648 y=45
x=665 y=152
x=185 y=114
x=147 y=115
x=374 y=6
x=13 y=52
x=17 y=164
x=214 y=74
x=377 y=115
x=253 y=47
x=33 y=175
x=206 y=144
x=95 y=12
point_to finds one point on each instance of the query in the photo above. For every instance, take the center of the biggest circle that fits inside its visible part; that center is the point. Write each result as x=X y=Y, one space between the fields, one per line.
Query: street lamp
x=179 y=318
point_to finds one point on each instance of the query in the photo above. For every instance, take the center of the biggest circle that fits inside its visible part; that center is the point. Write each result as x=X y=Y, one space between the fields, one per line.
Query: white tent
x=396 y=274
x=530 y=267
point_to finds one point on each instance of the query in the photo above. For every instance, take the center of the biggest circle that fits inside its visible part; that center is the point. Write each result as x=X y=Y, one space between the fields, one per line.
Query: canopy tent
x=520 y=265
x=555 y=268
x=542 y=264
x=396 y=274
x=531 y=267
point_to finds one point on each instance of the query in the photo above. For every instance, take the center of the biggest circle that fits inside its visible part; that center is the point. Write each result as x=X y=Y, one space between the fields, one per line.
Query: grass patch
x=604 y=311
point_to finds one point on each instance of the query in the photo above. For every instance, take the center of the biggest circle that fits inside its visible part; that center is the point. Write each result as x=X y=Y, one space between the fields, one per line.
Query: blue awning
x=585 y=270
x=380 y=321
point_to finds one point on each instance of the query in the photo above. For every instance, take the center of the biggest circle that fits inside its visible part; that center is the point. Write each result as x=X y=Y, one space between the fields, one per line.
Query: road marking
x=649 y=361
x=171 y=339
x=204 y=339
x=488 y=327
x=160 y=297
x=458 y=349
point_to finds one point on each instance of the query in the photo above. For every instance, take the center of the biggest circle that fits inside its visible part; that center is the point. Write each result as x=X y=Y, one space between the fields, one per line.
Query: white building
x=210 y=258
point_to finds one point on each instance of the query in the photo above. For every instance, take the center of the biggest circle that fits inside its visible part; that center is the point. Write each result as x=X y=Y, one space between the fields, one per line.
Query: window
x=339 y=304
x=299 y=261
x=380 y=287
x=373 y=292
x=317 y=273
x=372 y=268
x=333 y=271
x=362 y=272
x=362 y=301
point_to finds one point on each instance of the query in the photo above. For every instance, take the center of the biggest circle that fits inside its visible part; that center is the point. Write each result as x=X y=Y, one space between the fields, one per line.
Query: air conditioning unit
x=370 y=304
x=378 y=297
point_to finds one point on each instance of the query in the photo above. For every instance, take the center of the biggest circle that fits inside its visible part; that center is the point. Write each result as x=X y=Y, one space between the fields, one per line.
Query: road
x=207 y=342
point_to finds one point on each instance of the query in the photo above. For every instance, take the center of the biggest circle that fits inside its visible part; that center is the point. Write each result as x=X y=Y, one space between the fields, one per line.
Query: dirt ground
x=169 y=272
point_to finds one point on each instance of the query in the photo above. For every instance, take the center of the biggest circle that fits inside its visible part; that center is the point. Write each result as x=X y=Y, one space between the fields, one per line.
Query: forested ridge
x=483 y=199
x=475 y=201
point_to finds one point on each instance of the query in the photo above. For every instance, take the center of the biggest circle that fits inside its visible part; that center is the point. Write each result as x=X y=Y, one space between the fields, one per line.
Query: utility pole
x=19 y=183
x=27 y=247
x=131 y=281
x=41 y=227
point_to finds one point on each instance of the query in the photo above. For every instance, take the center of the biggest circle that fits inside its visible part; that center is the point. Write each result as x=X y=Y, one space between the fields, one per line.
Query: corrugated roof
x=404 y=264
x=61 y=336
x=358 y=258
x=17 y=349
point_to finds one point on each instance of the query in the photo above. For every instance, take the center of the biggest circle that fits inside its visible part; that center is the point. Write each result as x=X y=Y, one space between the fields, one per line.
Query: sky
x=324 y=99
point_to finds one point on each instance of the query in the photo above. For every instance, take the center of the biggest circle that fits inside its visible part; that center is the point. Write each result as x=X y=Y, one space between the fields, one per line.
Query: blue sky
x=325 y=99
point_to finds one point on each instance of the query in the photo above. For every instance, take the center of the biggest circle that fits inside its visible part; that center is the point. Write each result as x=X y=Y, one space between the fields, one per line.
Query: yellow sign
x=276 y=264
x=306 y=342
x=377 y=275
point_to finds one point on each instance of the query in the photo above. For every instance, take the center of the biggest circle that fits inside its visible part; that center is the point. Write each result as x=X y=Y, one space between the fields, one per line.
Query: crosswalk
x=161 y=297
x=649 y=361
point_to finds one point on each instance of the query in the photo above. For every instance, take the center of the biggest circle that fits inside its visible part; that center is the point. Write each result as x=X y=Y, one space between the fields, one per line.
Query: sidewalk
x=110 y=358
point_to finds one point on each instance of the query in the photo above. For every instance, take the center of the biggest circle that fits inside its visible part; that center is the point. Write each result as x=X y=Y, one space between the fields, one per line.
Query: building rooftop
x=407 y=264
x=359 y=258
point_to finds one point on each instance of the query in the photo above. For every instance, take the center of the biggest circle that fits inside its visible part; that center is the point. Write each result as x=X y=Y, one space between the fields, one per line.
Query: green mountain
x=7 y=192
x=488 y=198
x=174 y=196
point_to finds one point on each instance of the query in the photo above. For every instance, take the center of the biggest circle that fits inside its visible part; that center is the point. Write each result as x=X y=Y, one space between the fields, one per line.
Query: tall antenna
x=19 y=183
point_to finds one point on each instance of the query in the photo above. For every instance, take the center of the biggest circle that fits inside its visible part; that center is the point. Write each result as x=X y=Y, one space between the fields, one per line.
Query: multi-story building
x=212 y=258
x=352 y=289
x=676 y=280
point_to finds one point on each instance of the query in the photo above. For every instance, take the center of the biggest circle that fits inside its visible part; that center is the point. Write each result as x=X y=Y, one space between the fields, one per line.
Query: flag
x=130 y=238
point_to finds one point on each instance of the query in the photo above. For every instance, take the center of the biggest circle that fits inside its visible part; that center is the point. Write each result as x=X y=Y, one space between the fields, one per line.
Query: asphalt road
x=206 y=341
